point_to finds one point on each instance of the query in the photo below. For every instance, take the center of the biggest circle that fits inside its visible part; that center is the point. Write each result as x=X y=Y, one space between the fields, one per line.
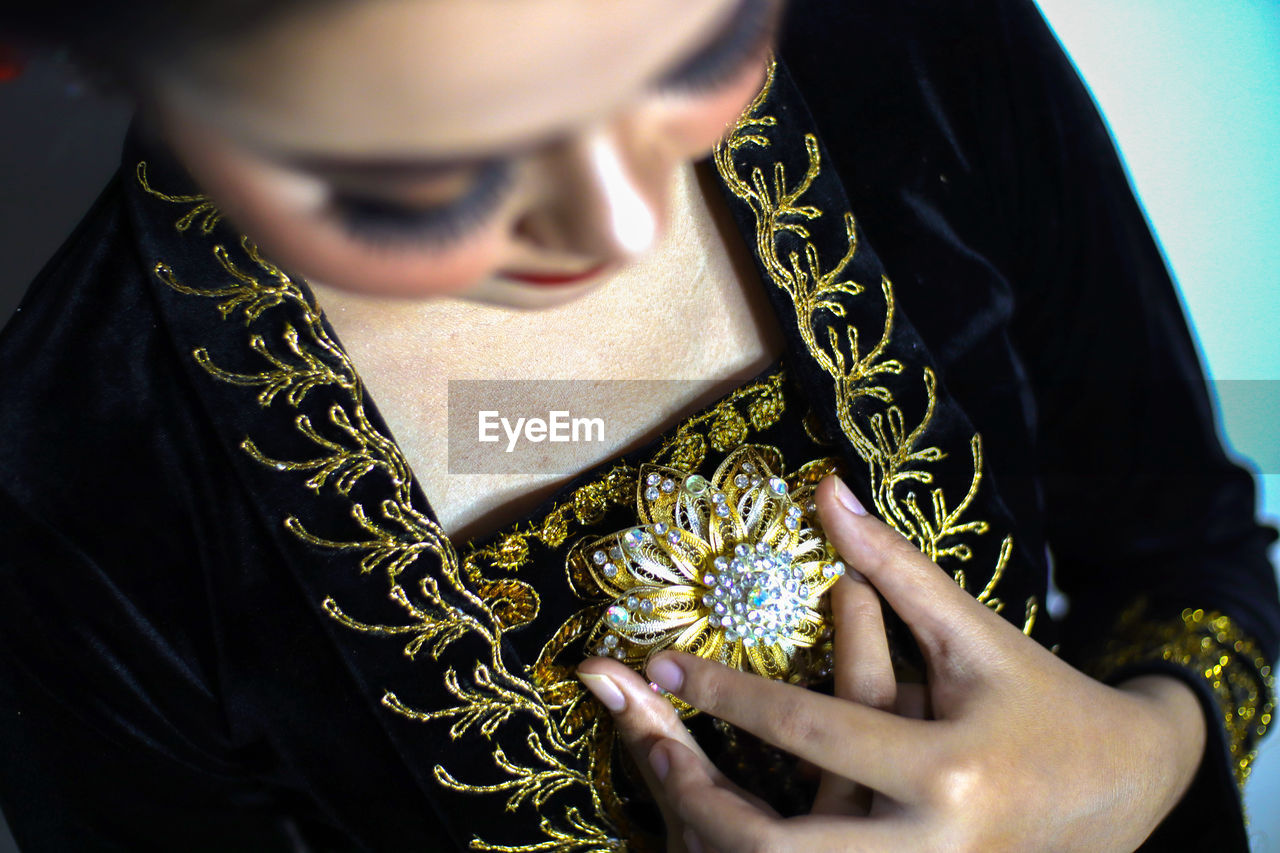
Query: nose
x=603 y=199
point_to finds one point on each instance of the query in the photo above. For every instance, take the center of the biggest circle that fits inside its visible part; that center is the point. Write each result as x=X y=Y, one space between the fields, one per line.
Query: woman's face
x=485 y=149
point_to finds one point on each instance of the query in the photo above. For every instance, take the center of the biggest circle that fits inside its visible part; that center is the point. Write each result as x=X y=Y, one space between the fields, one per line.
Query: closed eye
x=386 y=223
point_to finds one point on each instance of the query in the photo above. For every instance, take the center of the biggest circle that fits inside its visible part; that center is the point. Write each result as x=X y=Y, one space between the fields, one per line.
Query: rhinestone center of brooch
x=732 y=569
x=757 y=596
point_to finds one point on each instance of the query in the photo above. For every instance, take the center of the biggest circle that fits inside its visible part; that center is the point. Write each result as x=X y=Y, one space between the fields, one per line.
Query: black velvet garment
x=230 y=621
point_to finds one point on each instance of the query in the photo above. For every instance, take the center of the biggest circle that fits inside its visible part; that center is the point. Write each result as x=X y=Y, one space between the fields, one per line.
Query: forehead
x=438 y=77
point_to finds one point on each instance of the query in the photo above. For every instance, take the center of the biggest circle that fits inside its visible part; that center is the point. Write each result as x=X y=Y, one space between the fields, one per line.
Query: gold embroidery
x=869 y=413
x=439 y=609
x=1212 y=646
x=202 y=205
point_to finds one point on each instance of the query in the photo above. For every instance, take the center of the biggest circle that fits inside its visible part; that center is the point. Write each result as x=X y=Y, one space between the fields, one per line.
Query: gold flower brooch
x=733 y=569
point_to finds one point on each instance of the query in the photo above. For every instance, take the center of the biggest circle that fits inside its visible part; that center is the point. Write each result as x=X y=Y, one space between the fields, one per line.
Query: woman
x=235 y=621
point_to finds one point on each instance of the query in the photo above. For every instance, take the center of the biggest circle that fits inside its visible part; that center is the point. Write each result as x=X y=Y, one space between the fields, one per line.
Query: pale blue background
x=1191 y=90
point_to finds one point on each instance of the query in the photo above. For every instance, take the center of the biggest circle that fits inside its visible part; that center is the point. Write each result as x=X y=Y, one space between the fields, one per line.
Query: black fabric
x=168 y=674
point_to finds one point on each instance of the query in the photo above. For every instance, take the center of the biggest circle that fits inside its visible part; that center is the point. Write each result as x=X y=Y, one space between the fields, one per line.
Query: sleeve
x=116 y=731
x=95 y=759
x=1151 y=526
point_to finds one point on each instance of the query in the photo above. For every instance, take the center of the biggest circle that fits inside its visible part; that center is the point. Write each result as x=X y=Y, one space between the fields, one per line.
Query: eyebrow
x=398 y=167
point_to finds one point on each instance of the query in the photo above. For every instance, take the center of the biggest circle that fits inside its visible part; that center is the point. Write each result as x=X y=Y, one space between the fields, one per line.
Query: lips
x=553 y=279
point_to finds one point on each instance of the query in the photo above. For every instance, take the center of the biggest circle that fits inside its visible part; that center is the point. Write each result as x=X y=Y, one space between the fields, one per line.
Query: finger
x=939 y=613
x=722 y=820
x=642 y=718
x=718 y=816
x=863 y=667
x=863 y=674
x=881 y=750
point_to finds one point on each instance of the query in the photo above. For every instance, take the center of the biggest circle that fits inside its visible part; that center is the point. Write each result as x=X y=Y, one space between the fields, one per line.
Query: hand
x=1023 y=752
x=863 y=673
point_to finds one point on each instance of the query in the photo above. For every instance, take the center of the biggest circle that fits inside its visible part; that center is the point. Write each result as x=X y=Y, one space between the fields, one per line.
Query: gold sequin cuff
x=1213 y=647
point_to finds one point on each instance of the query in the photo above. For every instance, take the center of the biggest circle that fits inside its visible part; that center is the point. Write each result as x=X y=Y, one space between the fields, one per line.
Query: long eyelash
x=752 y=27
x=388 y=224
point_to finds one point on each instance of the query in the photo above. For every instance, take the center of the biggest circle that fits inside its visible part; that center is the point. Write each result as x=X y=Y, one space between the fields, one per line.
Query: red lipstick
x=552 y=279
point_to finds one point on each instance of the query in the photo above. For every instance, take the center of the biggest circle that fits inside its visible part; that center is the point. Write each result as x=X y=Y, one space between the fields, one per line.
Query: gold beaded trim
x=1212 y=645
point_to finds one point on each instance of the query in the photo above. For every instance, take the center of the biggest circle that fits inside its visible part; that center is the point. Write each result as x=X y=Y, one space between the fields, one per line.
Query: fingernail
x=691 y=841
x=848 y=499
x=660 y=763
x=666 y=673
x=603 y=688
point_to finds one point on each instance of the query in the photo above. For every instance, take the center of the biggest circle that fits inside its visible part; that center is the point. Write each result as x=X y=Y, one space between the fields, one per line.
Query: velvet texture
x=168 y=677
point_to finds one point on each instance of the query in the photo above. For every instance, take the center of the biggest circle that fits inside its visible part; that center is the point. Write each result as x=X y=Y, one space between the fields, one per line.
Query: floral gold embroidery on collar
x=733 y=569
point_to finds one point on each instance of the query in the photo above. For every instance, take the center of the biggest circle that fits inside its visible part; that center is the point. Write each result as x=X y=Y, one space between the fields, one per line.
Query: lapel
x=866 y=370
x=425 y=640
x=315 y=461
